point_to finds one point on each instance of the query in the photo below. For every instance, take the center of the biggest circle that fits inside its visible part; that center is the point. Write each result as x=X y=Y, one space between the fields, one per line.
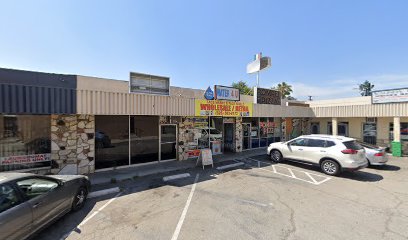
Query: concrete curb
x=103 y=192
x=177 y=176
x=97 y=181
x=230 y=166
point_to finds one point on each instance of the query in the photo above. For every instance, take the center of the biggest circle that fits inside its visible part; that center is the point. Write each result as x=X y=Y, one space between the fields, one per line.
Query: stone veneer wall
x=184 y=127
x=238 y=134
x=73 y=144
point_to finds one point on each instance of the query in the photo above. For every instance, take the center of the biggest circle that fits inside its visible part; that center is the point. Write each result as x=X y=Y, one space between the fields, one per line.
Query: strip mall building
x=71 y=124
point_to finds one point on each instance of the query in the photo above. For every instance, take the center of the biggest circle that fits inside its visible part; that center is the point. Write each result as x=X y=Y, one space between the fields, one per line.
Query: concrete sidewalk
x=108 y=176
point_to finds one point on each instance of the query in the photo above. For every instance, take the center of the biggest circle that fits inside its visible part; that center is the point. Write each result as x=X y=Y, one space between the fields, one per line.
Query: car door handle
x=322 y=151
x=36 y=205
x=300 y=149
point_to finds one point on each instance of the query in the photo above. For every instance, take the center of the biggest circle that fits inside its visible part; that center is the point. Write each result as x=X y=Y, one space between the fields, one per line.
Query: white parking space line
x=184 y=213
x=291 y=173
x=310 y=176
x=304 y=176
x=90 y=217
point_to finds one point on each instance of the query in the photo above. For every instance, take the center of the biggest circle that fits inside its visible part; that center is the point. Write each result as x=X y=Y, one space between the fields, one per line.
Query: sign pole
x=257 y=79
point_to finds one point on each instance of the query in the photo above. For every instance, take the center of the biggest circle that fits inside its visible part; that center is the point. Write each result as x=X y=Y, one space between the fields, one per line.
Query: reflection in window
x=403 y=131
x=144 y=143
x=24 y=136
x=8 y=198
x=33 y=187
x=216 y=136
x=111 y=141
x=255 y=133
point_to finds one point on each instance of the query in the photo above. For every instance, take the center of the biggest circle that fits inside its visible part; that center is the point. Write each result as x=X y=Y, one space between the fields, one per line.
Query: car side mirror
x=60 y=183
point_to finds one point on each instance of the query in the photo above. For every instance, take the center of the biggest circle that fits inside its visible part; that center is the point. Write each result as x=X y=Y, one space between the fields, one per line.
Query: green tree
x=285 y=89
x=366 y=88
x=243 y=88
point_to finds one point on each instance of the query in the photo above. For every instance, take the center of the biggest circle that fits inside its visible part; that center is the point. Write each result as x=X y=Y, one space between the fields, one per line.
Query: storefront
x=70 y=124
x=25 y=142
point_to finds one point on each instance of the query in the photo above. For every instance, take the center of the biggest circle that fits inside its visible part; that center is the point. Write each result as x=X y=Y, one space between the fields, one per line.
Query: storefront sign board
x=205 y=157
x=193 y=153
x=226 y=93
x=222 y=108
x=390 y=96
x=24 y=159
x=149 y=84
x=267 y=96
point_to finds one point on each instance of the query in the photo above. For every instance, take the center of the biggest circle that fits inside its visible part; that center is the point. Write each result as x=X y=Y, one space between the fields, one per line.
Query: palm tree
x=284 y=88
x=366 y=88
x=243 y=88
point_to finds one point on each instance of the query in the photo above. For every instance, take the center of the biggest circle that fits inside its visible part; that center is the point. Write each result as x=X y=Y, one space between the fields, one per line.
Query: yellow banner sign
x=222 y=108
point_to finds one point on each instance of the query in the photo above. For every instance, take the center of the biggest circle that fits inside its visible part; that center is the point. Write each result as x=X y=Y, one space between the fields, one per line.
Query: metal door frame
x=160 y=143
x=249 y=136
x=223 y=136
x=376 y=131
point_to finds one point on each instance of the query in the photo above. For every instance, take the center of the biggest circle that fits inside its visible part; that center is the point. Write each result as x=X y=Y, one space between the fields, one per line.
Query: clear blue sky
x=323 y=48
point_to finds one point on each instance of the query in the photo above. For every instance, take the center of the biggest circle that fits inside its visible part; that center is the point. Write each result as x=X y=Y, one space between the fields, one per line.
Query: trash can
x=396 y=149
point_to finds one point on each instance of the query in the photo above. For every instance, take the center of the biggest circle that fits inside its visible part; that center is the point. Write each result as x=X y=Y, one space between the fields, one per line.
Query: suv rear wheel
x=276 y=156
x=330 y=167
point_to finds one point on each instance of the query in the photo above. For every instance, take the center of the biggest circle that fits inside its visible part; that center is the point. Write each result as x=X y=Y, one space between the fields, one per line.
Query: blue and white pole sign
x=209 y=94
x=226 y=93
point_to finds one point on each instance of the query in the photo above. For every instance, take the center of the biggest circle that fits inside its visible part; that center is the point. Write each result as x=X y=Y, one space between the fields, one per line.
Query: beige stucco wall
x=341 y=102
x=102 y=84
x=356 y=127
x=357 y=107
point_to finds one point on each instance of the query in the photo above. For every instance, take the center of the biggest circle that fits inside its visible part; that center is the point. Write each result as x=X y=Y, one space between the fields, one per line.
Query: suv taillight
x=349 y=151
x=379 y=154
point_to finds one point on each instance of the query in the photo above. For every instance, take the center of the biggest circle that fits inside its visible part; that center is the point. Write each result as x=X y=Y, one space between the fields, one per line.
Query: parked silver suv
x=332 y=153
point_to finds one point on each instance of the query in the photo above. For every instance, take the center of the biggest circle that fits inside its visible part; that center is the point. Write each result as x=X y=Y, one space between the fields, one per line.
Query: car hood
x=66 y=178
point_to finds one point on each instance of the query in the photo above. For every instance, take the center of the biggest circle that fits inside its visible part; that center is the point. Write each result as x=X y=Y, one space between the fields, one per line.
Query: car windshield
x=352 y=145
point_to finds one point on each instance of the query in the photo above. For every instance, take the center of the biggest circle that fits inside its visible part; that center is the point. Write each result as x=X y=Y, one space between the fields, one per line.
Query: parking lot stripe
x=291 y=172
x=91 y=216
x=274 y=169
x=310 y=176
x=184 y=213
x=325 y=180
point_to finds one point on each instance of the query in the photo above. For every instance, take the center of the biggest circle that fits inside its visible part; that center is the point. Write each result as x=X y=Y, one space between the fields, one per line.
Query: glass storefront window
x=111 y=141
x=263 y=132
x=216 y=136
x=144 y=135
x=255 y=133
x=403 y=131
x=196 y=135
x=22 y=139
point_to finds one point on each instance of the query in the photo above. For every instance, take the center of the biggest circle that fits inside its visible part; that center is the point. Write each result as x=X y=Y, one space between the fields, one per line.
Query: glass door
x=246 y=136
x=370 y=133
x=168 y=142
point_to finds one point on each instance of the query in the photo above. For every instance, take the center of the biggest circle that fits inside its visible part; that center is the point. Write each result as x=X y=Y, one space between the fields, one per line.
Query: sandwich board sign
x=205 y=157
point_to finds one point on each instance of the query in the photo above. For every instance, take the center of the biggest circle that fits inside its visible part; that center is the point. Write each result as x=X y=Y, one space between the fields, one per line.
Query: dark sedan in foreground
x=29 y=202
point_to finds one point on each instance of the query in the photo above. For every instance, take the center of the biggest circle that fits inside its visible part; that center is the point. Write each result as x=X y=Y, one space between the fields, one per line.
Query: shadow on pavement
x=386 y=167
x=361 y=176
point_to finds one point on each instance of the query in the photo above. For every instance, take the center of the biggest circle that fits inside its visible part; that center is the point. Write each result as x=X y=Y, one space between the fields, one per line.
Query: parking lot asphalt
x=256 y=200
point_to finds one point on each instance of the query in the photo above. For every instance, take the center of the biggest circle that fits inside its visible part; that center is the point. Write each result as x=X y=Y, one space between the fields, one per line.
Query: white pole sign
x=390 y=96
